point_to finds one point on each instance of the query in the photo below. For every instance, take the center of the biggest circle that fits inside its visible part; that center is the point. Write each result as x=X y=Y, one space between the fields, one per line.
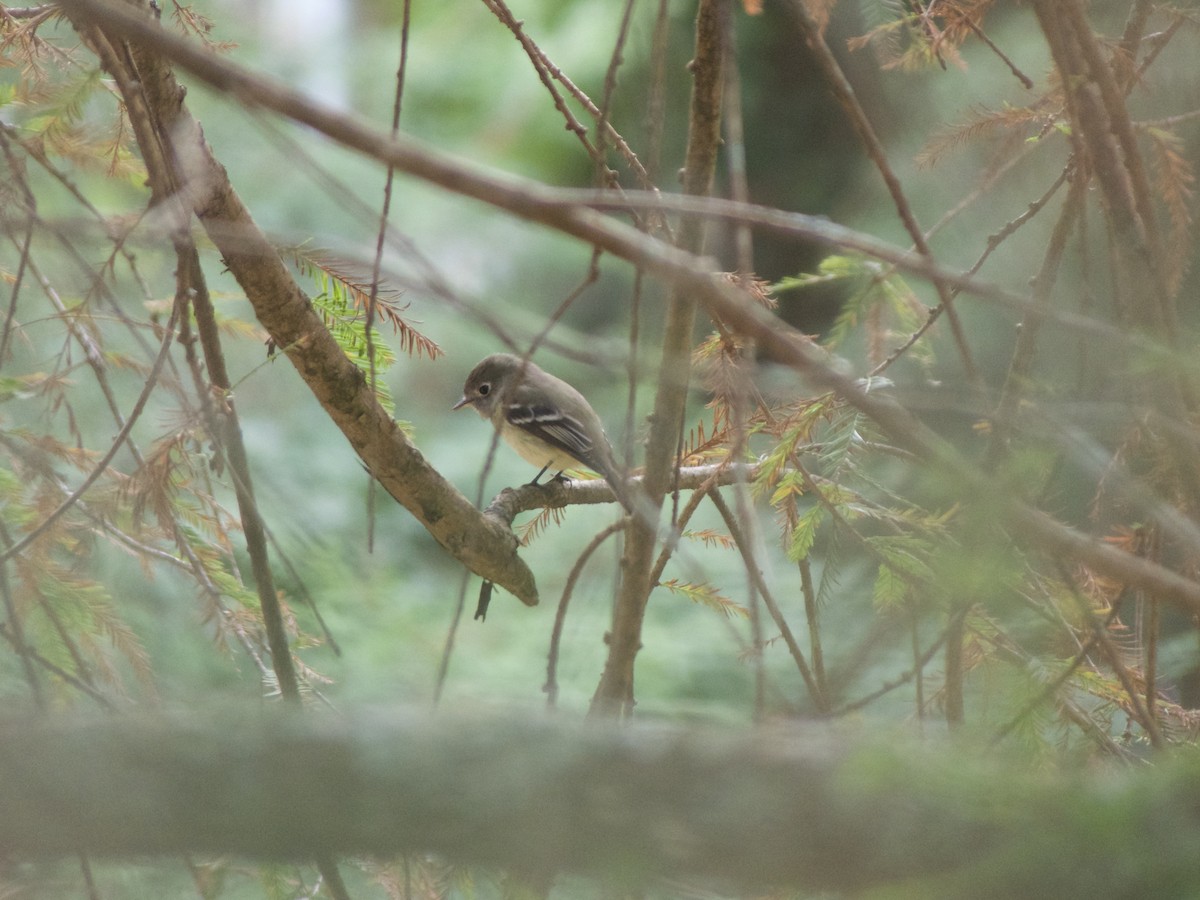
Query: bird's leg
x=541 y=473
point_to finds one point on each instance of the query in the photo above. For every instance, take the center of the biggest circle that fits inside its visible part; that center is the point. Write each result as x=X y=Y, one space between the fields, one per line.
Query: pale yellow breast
x=538 y=452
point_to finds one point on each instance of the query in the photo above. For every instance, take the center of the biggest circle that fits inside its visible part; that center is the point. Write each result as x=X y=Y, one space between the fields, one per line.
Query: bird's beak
x=460 y=404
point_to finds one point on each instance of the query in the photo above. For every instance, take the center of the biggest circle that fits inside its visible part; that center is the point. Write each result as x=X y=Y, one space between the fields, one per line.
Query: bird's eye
x=485 y=389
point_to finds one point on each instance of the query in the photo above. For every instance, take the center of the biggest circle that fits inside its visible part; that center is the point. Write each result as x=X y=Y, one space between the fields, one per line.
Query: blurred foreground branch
x=780 y=807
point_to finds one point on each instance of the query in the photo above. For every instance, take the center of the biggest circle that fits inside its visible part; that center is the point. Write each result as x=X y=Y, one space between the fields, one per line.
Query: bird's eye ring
x=485 y=389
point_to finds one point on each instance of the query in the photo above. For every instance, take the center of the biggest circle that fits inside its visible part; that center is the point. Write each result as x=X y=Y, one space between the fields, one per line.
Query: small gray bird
x=543 y=418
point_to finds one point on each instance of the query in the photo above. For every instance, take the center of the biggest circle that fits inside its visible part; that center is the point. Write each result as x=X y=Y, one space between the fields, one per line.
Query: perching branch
x=510 y=502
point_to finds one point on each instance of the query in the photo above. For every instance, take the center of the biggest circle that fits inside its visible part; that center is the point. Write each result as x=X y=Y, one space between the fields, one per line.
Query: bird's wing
x=559 y=430
x=567 y=434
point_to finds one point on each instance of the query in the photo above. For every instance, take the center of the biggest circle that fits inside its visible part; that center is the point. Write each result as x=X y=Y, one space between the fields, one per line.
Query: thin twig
x=229 y=435
x=706 y=483
x=610 y=86
x=843 y=92
x=549 y=72
x=560 y=616
x=14 y=631
x=1025 y=80
x=994 y=241
x=1113 y=656
x=102 y=466
x=30 y=208
x=1023 y=354
x=735 y=143
x=811 y=614
x=369 y=325
x=888 y=686
x=545 y=72
x=819 y=700
x=443 y=672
